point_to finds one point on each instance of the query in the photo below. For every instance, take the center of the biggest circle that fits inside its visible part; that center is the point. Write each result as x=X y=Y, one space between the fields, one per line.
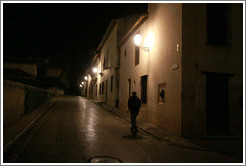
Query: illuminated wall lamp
x=137 y=40
x=95 y=70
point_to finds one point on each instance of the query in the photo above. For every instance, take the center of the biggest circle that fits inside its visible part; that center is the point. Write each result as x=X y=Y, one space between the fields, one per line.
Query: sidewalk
x=153 y=130
x=12 y=133
x=229 y=147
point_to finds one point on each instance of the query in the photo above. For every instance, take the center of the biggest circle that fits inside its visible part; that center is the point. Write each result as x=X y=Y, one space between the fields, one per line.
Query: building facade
x=103 y=82
x=187 y=71
x=212 y=70
x=148 y=72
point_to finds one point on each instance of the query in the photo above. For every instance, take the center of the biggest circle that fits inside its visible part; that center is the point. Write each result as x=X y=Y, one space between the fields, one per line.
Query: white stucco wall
x=163 y=29
x=128 y=70
x=110 y=46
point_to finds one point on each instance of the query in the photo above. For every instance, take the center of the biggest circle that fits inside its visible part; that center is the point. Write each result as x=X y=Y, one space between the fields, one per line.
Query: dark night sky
x=64 y=31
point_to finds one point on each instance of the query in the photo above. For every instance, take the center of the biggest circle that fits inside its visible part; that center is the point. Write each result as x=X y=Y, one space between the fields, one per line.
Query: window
x=112 y=83
x=118 y=58
x=218 y=24
x=144 y=80
x=103 y=88
x=96 y=89
x=104 y=63
x=100 y=89
x=129 y=88
x=106 y=90
x=137 y=52
x=105 y=60
x=107 y=55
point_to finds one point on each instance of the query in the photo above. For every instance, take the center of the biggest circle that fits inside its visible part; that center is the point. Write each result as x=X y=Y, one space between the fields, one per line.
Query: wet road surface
x=75 y=130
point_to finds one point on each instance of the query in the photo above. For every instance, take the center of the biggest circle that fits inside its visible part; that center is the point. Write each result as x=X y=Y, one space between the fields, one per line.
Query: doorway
x=144 y=81
x=217 y=103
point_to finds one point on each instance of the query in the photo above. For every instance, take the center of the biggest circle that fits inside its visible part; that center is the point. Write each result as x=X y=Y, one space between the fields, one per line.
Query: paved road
x=75 y=130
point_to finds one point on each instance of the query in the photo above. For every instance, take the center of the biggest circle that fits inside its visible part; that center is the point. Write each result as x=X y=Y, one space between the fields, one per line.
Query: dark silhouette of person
x=134 y=104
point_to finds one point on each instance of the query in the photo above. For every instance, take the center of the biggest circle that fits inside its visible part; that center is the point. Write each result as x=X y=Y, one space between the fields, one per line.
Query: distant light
x=83 y=83
x=95 y=70
x=86 y=78
x=80 y=85
x=137 y=39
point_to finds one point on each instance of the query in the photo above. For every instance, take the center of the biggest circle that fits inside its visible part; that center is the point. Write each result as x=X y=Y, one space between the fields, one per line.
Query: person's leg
x=135 y=125
x=134 y=129
x=133 y=121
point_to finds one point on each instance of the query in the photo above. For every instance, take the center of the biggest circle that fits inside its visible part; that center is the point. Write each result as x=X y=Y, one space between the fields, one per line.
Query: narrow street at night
x=122 y=82
x=76 y=130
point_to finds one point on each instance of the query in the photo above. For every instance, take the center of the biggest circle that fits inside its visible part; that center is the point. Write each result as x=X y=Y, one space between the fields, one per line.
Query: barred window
x=96 y=89
x=100 y=89
x=144 y=80
x=112 y=83
x=103 y=88
x=137 y=52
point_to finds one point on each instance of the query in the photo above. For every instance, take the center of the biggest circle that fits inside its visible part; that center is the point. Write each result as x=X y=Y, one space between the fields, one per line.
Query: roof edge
x=107 y=33
x=138 y=23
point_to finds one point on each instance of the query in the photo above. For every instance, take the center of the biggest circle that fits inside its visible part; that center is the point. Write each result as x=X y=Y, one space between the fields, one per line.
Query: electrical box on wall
x=178 y=47
x=175 y=66
x=162 y=93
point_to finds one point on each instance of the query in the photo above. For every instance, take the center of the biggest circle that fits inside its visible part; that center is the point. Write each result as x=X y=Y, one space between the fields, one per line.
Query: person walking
x=134 y=104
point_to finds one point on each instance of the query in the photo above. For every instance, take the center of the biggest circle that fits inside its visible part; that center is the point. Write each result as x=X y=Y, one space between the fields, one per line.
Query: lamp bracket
x=146 y=49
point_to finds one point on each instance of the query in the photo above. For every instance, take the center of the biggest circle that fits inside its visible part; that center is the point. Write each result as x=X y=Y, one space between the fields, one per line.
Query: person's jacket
x=134 y=103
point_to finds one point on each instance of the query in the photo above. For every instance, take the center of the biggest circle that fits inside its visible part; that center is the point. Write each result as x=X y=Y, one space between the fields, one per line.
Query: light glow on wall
x=149 y=42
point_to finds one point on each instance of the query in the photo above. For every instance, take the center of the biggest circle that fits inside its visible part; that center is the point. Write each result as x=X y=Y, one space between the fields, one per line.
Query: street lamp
x=138 y=40
x=95 y=70
x=86 y=78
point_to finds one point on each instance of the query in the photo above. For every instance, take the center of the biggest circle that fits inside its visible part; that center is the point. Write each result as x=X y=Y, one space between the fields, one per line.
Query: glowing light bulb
x=137 y=39
x=95 y=70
